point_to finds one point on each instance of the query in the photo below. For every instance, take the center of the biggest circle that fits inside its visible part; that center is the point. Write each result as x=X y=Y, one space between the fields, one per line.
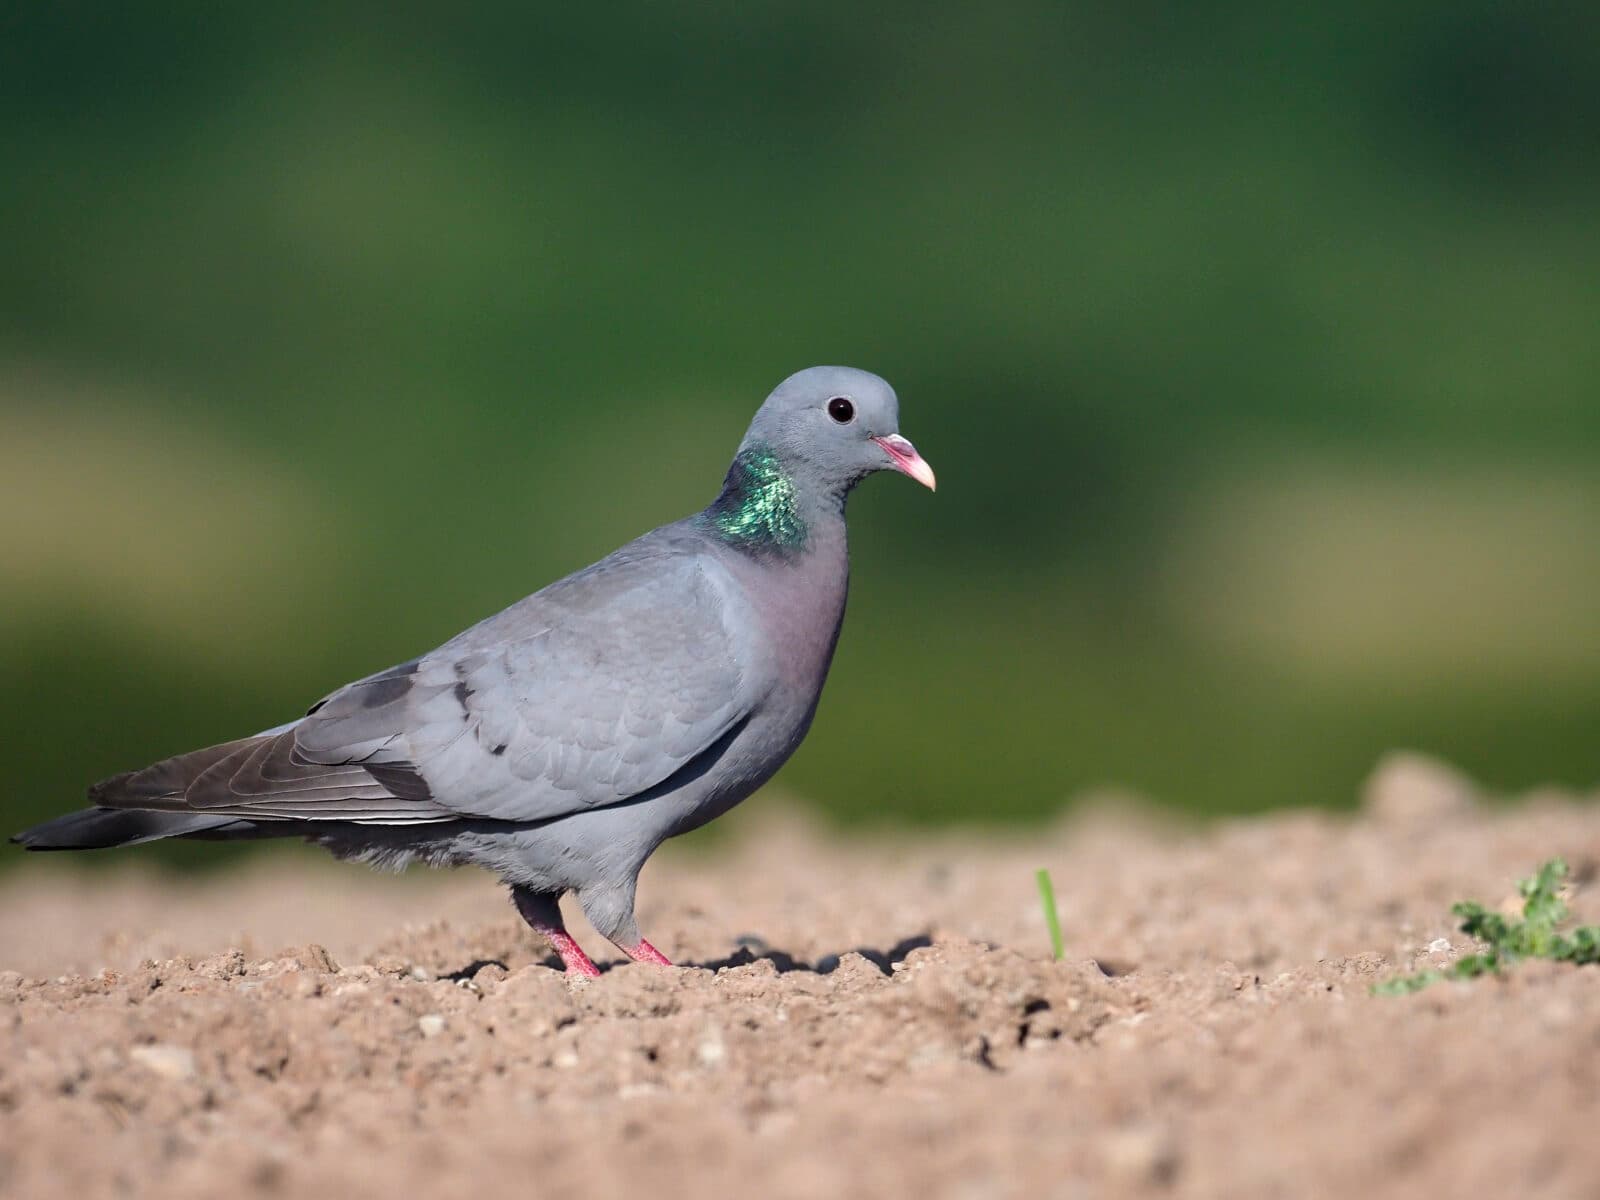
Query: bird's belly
x=750 y=761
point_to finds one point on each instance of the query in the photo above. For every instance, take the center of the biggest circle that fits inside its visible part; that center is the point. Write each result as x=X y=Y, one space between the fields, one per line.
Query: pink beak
x=906 y=460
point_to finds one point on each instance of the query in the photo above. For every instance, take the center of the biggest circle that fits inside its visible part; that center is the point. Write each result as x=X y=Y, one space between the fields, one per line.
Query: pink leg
x=572 y=955
x=543 y=913
x=646 y=953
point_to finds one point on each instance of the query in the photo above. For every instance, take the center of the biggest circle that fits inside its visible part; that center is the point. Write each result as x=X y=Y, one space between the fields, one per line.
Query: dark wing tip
x=403 y=779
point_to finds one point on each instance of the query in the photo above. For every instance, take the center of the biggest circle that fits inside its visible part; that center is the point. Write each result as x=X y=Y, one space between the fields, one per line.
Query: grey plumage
x=560 y=741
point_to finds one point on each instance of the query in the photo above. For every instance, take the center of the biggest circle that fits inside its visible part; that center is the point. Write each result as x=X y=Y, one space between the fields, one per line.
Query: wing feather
x=585 y=694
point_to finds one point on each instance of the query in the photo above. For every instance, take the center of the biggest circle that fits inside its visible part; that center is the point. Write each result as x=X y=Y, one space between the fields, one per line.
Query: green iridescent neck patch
x=757 y=507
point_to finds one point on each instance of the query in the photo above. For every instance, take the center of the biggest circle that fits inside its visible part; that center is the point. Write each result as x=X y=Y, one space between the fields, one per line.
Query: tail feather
x=100 y=828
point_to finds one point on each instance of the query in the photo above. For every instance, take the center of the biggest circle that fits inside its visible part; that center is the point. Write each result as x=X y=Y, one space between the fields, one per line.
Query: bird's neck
x=763 y=509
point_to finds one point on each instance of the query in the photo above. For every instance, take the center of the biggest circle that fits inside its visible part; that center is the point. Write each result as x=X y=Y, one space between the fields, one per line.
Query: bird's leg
x=543 y=911
x=609 y=907
x=646 y=953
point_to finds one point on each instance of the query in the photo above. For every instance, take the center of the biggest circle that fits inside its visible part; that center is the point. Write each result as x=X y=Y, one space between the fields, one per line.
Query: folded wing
x=590 y=692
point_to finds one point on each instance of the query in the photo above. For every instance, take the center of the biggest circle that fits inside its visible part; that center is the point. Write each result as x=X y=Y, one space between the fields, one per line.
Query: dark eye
x=841 y=410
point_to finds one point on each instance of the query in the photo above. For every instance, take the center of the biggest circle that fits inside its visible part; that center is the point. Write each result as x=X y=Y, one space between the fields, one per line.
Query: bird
x=559 y=742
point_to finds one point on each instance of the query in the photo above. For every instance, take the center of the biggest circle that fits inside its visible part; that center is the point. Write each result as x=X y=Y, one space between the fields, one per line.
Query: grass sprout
x=1505 y=940
x=1047 y=897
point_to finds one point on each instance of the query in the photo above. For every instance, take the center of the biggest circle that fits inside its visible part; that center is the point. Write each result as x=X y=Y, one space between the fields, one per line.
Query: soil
x=862 y=1016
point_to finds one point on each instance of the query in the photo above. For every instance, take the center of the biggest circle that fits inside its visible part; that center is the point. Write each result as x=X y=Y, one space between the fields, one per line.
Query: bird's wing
x=261 y=778
x=590 y=692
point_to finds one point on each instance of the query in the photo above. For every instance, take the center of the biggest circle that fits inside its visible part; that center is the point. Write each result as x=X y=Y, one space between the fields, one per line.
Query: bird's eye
x=841 y=410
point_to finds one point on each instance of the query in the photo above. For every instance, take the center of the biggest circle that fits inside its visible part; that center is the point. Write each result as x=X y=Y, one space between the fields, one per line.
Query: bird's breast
x=801 y=608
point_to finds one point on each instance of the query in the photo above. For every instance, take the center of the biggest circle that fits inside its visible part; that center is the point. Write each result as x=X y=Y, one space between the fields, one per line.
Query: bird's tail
x=99 y=828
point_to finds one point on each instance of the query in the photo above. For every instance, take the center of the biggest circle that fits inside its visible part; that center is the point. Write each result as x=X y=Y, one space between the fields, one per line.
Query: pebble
x=1142 y=1155
x=431 y=1025
x=170 y=1062
x=712 y=1049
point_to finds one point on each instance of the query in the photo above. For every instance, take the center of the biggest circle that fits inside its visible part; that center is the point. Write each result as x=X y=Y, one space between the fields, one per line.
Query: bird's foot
x=646 y=953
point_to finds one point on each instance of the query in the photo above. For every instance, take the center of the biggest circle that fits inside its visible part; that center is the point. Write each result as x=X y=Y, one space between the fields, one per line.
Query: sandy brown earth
x=864 y=1017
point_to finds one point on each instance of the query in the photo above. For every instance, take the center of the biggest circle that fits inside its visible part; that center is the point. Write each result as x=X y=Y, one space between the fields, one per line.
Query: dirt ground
x=866 y=1017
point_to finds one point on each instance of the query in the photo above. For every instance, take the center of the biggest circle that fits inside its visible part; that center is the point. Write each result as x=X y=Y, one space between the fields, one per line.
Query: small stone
x=317 y=957
x=420 y=974
x=170 y=1062
x=1439 y=946
x=311 y=957
x=431 y=1025
x=1142 y=1155
x=712 y=1050
x=228 y=965
x=489 y=976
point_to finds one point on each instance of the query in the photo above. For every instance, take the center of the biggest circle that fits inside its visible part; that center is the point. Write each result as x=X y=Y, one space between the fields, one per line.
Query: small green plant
x=1506 y=940
x=1047 y=897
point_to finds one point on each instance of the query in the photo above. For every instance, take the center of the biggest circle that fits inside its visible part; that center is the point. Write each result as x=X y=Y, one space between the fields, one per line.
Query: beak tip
x=904 y=458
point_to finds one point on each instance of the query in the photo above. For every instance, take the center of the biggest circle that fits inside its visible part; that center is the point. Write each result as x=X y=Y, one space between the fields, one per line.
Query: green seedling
x=1506 y=941
x=1047 y=897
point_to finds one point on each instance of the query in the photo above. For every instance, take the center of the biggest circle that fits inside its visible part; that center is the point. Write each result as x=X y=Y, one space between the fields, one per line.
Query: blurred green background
x=1256 y=347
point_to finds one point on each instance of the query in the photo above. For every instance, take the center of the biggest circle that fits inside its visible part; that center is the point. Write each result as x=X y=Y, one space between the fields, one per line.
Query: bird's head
x=836 y=425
